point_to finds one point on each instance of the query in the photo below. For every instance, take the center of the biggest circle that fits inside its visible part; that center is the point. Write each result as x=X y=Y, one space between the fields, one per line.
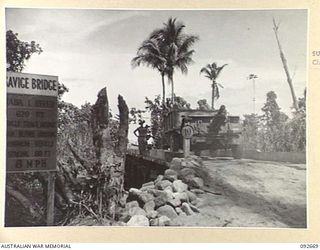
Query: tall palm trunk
x=170 y=80
x=212 y=97
x=163 y=109
x=163 y=91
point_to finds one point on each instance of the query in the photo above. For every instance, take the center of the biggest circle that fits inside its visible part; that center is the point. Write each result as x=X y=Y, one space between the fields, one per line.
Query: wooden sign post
x=32 y=127
x=50 y=200
x=187 y=133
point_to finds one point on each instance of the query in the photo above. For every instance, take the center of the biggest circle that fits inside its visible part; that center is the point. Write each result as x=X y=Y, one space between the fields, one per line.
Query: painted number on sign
x=187 y=132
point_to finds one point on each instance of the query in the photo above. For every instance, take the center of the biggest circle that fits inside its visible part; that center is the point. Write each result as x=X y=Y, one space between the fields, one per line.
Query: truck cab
x=228 y=136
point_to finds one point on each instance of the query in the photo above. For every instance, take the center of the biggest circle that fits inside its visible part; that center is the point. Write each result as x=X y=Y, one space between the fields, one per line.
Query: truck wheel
x=237 y=152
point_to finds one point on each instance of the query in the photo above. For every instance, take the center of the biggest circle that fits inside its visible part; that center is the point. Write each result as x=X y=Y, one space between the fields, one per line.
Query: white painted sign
x=187 y=132
x=31 y=122
x=31 y=84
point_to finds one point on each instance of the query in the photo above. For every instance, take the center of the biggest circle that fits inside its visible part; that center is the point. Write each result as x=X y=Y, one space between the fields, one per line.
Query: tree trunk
x=110 y=155
x=163 y=91
x=285 y=66
x=170 y=80
x=212 y=98
x=121 y=148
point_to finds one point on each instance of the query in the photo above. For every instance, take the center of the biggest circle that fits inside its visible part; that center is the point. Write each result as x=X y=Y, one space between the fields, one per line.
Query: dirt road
x=253 y=194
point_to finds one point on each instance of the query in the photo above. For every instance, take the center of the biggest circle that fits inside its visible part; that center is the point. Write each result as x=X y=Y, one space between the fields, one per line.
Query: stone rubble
x=173 y=194
x=138 y=221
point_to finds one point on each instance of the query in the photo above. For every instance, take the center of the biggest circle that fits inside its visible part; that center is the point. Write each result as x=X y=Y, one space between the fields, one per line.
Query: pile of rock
x=173 y=194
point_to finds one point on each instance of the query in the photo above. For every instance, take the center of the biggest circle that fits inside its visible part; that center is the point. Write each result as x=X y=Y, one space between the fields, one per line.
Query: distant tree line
x=274 y=131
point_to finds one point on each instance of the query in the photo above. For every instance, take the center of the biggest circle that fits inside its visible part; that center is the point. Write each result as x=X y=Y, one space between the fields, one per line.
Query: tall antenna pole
x=285 y=66
x=253 y=77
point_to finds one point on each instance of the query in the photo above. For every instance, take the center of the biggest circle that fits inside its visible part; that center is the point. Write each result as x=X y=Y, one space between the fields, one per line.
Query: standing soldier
x=218 y=120
x=142 y=137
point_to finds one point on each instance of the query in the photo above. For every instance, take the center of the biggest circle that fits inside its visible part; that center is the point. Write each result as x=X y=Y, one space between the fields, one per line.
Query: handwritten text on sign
x=31 y=123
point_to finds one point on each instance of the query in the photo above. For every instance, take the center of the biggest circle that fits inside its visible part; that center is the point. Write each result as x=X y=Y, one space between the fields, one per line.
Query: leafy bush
x=274 y=131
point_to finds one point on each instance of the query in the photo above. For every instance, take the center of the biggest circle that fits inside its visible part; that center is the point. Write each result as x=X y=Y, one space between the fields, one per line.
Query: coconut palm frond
x=206 y=72
x=203 y=70
x=172 y=31
x=184 y=60
x=219 y=69
x=142 y=59
x=183 y=67
x=155 y=59
x=178 y=29
x=187 y=54
x=150 y=42
x=171 y=54
x=148 y=59
x=136 y=61
x=149 y=47
x=209 y=67
x=217 y=92
x=156 y=34
x=169 y=31
x=220 y=85
x=187 y=43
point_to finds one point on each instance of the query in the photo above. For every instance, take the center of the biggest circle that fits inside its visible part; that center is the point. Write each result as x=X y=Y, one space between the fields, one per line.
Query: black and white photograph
x=156 y=118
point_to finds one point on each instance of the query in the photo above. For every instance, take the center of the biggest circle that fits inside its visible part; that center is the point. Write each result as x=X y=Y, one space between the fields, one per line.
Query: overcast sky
x=90 y=49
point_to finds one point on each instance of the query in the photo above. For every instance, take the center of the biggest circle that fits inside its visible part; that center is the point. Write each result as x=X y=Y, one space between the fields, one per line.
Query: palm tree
x=175 y=46
x=212 y=71
x=150 y=54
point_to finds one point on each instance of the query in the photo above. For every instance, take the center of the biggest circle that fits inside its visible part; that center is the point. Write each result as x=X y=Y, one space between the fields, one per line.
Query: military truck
x=228 y=137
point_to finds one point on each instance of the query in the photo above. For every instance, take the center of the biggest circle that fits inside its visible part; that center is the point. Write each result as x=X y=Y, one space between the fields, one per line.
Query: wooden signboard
x=32 y=128
x=31 y=122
